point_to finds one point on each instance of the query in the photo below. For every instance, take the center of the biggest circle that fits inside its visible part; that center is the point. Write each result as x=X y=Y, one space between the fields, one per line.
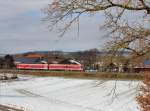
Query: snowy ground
x=60 y=94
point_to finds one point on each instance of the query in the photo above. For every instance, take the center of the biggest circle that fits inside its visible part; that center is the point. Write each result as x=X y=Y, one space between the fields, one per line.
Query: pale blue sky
x=21 y=29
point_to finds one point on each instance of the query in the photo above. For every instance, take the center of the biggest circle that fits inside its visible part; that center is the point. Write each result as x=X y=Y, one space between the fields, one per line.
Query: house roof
x=28 y=60
x=34 y=55
x=147 y=62
x=69 y=61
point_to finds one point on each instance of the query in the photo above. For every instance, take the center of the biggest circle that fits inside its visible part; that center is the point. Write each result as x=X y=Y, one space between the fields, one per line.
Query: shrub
x=144 y=98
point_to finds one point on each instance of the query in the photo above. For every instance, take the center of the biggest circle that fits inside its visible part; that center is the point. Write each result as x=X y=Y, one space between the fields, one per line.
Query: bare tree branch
x=125 y=36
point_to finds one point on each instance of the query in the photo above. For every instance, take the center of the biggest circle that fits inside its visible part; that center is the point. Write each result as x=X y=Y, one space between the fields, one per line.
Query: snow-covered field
x=61 y=94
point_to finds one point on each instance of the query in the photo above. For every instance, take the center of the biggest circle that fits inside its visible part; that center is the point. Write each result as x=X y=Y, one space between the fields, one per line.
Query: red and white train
x=66 y=67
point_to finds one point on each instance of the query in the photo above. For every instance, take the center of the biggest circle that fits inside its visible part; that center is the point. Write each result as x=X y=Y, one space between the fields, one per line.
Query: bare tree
x=132 y=39
x=61 y=14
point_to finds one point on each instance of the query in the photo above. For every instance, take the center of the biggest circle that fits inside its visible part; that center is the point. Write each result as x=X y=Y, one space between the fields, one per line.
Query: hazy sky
x=21 y=29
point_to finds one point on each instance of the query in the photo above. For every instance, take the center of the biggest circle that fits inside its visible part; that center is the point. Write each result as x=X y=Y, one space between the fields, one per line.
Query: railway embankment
x=75 y=74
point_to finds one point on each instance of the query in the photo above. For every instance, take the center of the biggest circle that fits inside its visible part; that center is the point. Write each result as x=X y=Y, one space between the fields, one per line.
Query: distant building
x=144 y=67
x=30 y=58
x=147 y=64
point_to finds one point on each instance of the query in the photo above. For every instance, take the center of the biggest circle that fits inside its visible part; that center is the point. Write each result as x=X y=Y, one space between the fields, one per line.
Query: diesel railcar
x=66 y=67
